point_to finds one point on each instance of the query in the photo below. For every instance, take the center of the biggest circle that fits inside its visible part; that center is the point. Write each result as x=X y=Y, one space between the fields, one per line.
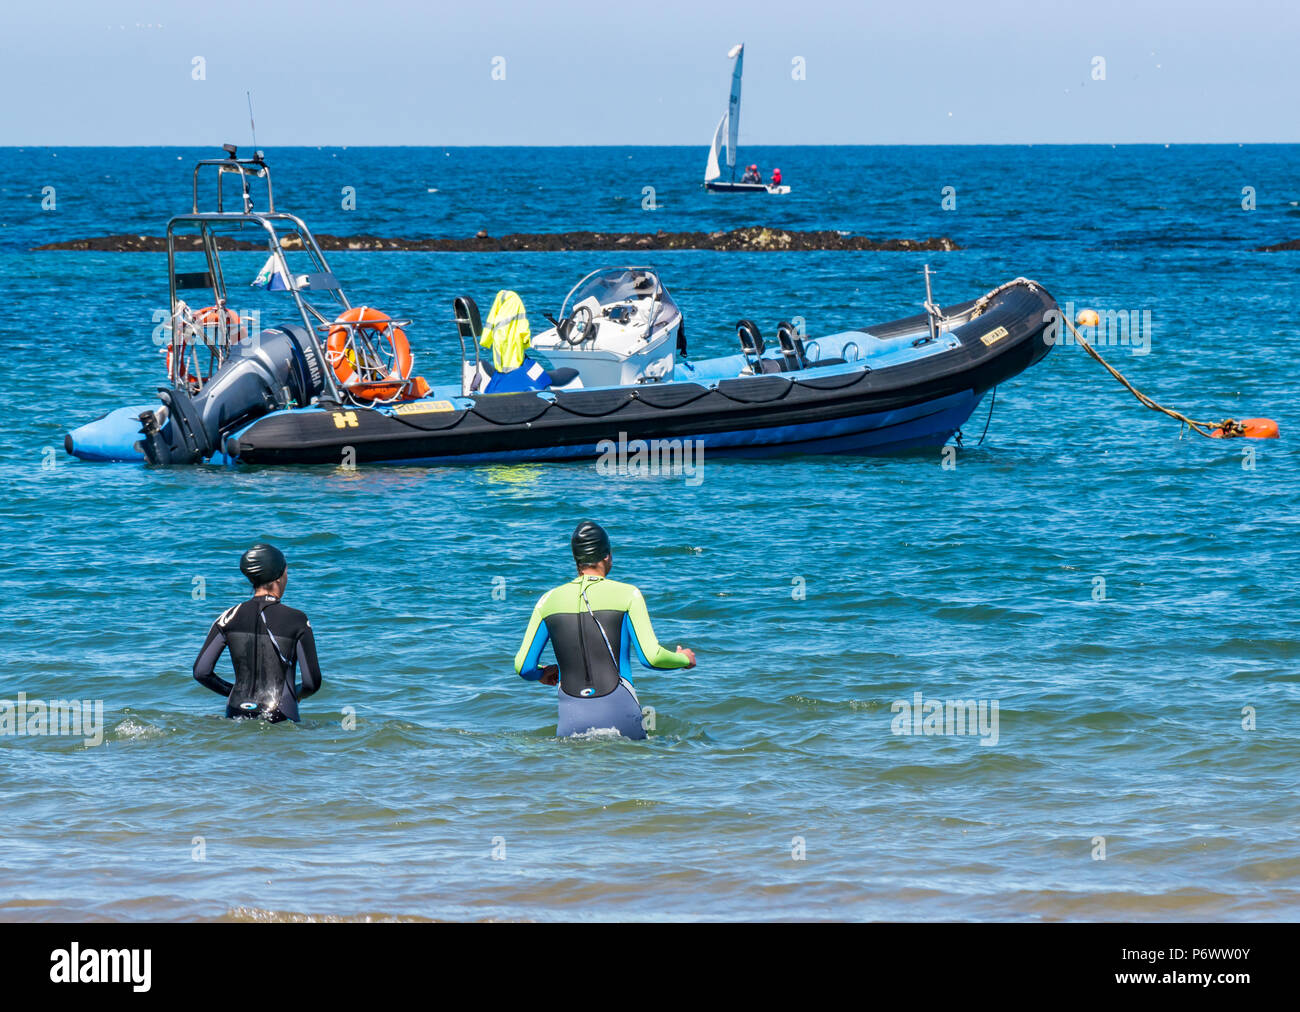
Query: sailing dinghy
x=727 y=133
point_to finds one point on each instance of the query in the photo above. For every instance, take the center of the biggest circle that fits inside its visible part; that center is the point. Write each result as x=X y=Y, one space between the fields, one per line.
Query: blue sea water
x=1127 y=597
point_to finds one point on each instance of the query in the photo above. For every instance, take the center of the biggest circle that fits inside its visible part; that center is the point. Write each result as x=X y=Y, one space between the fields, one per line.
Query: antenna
x=251 y=123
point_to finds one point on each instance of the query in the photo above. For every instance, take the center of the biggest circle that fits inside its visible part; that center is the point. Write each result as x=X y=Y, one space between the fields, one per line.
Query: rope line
x=992 y=401
x=1228 y=427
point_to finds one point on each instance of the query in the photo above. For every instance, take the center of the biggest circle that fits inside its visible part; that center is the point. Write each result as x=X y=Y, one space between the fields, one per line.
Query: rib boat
x=335 y=383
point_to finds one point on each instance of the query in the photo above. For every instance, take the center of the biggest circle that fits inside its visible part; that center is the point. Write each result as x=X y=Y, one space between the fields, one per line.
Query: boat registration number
x=422 y=407
x=994 y=336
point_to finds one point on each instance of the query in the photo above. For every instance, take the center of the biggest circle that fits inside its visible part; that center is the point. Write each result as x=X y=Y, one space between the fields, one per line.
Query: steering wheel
x=571 y=326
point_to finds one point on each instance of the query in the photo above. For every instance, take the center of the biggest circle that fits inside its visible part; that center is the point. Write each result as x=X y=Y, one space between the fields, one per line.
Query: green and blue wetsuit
x=594 y=625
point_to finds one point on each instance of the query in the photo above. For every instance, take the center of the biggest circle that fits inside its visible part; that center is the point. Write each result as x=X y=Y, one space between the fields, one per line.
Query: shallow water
x=1118 y=718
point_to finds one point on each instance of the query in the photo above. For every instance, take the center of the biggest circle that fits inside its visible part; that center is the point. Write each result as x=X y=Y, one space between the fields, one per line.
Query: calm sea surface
x=1128 y=599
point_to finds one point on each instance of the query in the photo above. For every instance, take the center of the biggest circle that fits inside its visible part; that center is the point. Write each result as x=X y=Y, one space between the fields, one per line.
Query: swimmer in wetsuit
x=594 y=625
x=268 y=643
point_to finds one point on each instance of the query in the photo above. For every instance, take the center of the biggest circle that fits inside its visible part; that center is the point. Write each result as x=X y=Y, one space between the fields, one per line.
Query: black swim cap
x=262 y=564
x=590 y=543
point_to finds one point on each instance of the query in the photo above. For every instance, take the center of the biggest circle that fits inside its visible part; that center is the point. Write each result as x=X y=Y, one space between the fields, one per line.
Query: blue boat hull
x=922 y=426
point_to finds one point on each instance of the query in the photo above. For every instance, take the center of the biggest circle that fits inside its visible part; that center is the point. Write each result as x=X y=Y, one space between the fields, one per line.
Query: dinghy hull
x=716 y=186
x=836 y=409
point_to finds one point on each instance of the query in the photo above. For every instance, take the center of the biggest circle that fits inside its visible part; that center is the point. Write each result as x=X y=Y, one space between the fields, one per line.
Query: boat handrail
x=328 y=325
x=359 y=344
x=266 y=221
x=254 y=167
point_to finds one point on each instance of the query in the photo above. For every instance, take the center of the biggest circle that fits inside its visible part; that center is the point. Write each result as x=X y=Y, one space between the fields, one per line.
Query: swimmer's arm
x=648 y=650
x=205 y=665
x=308 y=665
x=529 y=659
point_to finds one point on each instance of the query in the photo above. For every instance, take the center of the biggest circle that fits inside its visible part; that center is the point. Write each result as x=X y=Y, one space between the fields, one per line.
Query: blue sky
x=577 y=72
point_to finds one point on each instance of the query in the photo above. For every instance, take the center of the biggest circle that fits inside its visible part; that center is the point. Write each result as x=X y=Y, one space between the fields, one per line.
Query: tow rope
x=993 y=400
x=1229 y=428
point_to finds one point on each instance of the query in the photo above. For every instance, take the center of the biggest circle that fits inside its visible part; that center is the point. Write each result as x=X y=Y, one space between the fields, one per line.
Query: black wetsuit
x=268 y=642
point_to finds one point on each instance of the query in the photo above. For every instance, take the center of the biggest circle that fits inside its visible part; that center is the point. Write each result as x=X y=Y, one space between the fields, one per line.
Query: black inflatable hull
x=898 y=408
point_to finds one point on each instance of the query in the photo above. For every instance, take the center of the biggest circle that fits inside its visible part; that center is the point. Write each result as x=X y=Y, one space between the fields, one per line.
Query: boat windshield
x=618 y=284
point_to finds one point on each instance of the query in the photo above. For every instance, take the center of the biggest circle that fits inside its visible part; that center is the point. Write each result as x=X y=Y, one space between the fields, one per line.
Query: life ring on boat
x=362 y=369
x=211 y=327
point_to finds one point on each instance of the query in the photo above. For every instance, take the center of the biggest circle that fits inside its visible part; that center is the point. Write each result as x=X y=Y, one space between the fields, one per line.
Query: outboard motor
x=277 y=370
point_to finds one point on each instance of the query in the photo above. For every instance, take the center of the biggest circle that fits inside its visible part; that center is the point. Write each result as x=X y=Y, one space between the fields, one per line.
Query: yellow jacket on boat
x=506 y=331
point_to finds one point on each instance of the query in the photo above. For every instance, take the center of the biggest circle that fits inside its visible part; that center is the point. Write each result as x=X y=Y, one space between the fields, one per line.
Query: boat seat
x=468 y=321
x=752 y=347
x=794 y=355
x=792 y=350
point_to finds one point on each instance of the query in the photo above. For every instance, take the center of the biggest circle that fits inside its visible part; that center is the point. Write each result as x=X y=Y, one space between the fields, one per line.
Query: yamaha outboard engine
x=277 y=370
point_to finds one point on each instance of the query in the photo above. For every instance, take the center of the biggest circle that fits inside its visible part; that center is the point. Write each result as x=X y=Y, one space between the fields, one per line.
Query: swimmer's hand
x=689 y=653
x=550 y=675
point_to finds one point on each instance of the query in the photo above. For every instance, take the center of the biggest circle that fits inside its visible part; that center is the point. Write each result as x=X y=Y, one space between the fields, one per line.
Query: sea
x=1110 y=599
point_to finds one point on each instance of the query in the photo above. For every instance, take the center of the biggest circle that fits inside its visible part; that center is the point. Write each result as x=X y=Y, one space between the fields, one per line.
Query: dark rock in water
x=152 y=244
x=1278 y=247
x=755 y=239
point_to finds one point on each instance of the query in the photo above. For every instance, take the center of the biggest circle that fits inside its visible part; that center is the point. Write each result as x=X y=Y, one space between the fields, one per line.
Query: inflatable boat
x=336 y=383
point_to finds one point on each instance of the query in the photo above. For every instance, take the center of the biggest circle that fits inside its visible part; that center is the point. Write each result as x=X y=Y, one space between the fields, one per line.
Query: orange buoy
x=341 y=352
x=1087 y=318
x=1246 y=428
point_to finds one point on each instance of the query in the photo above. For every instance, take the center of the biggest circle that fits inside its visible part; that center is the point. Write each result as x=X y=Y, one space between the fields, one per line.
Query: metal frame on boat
x=212 y=224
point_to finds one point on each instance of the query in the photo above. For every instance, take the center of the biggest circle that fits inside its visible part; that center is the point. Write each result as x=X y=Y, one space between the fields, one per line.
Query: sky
x=573 y=72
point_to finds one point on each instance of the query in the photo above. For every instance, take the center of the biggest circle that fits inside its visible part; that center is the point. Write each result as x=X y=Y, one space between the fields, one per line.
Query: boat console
x=617 y=327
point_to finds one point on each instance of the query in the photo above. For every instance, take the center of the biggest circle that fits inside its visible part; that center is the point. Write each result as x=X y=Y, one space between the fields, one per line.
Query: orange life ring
x=340 y=352
x=218 y=323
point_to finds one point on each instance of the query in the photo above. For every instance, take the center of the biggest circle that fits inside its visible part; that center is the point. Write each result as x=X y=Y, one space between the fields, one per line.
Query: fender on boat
x=111 y=437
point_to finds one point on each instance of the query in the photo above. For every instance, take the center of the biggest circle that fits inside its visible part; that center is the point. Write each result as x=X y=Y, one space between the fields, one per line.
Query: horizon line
x=692 y=146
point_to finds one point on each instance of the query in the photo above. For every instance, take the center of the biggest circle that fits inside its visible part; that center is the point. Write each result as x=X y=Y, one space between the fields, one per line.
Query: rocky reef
x=755 y=239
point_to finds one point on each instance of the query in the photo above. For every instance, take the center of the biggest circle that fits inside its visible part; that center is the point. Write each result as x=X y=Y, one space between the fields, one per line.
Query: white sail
x=711 y=171
x=733 y=106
